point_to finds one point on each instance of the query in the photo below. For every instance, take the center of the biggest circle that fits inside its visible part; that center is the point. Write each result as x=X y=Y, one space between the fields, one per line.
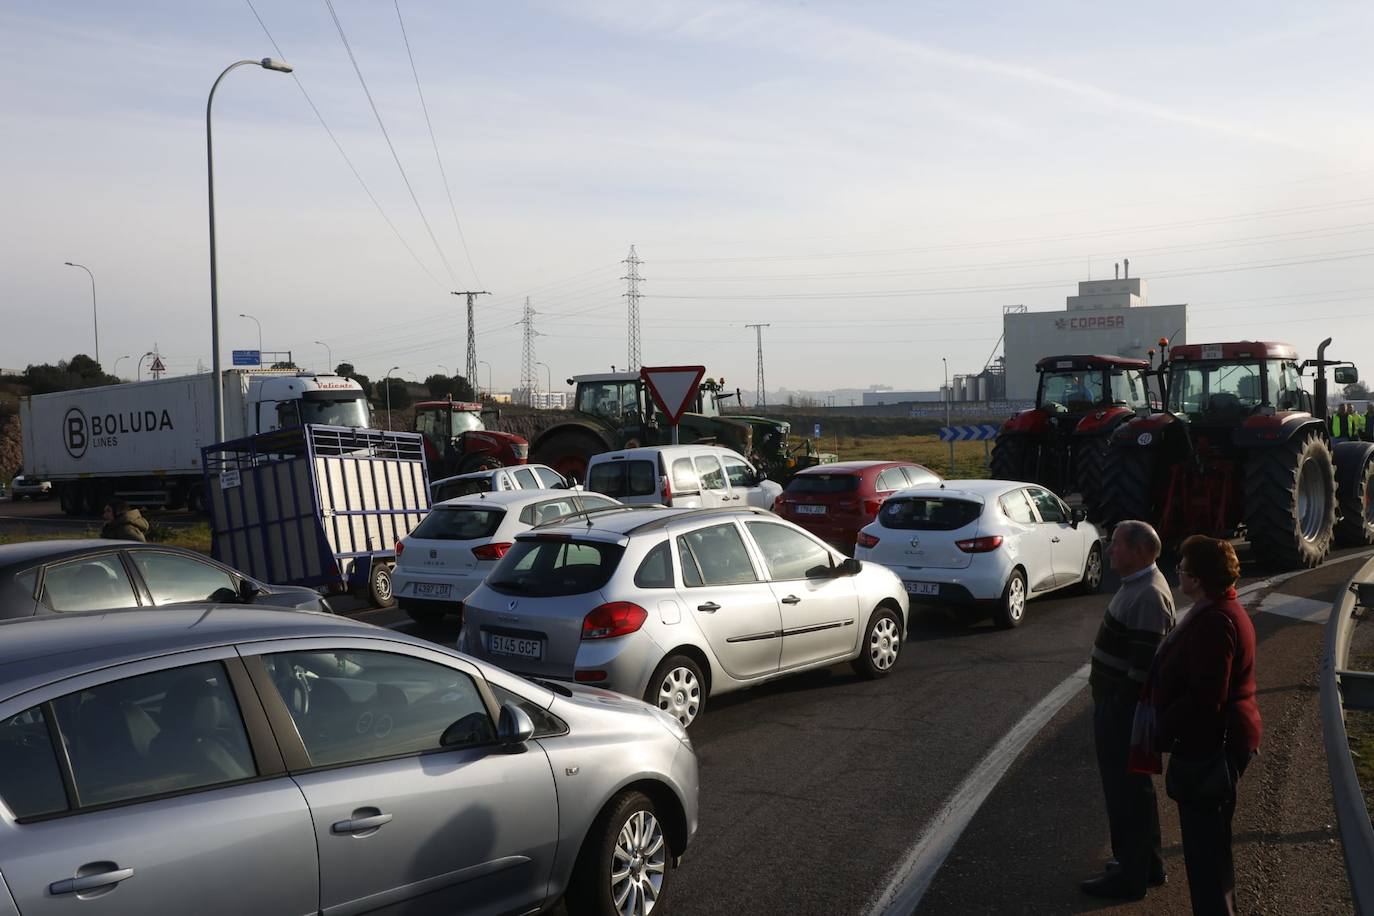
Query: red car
x=833 y=501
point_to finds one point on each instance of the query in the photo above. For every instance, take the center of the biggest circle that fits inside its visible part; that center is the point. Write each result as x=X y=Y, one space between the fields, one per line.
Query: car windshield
x=928 y=513
x=547 y=567
x=1215 y=389
x=1070 y=390
x=352 y=412
x=823 y=483
x=458 y=523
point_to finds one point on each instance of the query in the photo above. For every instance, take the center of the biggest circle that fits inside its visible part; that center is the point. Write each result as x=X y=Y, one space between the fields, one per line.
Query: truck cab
x=280 y=402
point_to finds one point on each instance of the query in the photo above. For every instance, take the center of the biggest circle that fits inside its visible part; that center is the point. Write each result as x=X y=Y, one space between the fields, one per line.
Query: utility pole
x=528 y=381
x=761 y=391
x=632 y=279
x=472 y=336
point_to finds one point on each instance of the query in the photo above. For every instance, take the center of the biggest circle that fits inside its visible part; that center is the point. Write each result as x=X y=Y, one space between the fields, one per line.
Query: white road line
x=1308 y=610
x=910 y=879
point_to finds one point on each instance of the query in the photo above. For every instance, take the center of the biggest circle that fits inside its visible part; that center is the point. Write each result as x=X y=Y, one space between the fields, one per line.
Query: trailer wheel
x=379 y=585
x=1290 y=500
x=1128 y=483
x=1013 y=458
x=1090 y=455
x=1355 y=493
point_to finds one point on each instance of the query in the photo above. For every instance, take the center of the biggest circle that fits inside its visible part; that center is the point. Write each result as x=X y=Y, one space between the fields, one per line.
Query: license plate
x=431 y=590
x=922 y=588
x=811 y=510
x=510 y=645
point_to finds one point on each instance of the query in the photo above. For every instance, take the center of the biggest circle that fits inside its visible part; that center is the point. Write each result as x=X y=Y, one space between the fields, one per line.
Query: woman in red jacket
x=1204 y=692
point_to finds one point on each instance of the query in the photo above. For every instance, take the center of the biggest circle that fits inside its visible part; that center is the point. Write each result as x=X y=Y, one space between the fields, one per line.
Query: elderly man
x=1137 y=618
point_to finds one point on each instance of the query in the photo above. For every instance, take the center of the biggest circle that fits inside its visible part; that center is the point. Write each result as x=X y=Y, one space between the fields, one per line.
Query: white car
x=497 y=480
x=995 y=542
x=459 y=541
x=681 y=476
x=674 y=605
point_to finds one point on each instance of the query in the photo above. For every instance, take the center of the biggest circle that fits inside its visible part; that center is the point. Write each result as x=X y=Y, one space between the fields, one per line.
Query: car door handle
x=709 y=607
x=791 y=599
x=361 y=824
x=1054 y=540
x=89 y=882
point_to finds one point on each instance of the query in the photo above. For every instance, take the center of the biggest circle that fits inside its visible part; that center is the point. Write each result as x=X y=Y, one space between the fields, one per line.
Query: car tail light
x=866 y=540
x=980 y=545
x=589 y=676
x=400 y=548
x=871 y=506
x=618 y=618
x=491 y=551
x=667 y=488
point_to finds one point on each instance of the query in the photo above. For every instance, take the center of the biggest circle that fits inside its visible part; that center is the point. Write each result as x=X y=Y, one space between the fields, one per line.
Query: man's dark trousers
x=1132 y=810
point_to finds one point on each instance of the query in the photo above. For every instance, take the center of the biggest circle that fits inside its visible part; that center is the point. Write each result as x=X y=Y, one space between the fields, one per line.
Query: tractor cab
x=457 y=440
x=1222 y=385
x=1077 y=385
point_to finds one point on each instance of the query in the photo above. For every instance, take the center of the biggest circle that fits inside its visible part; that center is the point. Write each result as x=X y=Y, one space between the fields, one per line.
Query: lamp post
x=329 y=354
x=259 y=324
x=483 y=362
x=140 y=364
x=115 y=373
x=948 y=395
x=266 y=63
x=548 y=375
x=95 y=321
x=388 y=395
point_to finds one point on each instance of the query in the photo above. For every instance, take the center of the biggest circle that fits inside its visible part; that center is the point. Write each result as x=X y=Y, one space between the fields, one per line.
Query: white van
x=686 y=476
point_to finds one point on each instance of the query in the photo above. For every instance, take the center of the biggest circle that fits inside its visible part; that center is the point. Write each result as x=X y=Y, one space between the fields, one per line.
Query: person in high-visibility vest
x=1346 y=424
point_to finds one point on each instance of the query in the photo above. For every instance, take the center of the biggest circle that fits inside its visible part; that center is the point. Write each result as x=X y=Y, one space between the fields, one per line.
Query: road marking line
x=912 y=877
x=1307 y=610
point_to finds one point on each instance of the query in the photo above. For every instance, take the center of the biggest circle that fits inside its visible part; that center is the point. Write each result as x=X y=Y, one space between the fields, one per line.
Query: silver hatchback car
x=221 y=761
x=675 y=605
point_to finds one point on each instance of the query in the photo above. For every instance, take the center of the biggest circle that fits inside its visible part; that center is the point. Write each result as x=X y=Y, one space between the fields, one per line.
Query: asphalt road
x=814 y=788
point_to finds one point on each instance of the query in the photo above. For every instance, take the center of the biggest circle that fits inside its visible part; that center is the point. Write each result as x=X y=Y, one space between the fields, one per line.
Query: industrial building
x=1108 y=317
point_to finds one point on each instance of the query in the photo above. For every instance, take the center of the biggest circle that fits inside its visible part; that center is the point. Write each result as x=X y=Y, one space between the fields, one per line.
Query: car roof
x=508 y=498
x=854 y=467
x=970 y=487
x=617 y=525
x=488 y=473
x=668 y=451
x=55 y=549
x=41 y=650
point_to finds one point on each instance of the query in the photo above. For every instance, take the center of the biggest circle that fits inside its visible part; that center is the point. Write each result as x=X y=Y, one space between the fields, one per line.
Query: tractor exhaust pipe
x=1319 y=383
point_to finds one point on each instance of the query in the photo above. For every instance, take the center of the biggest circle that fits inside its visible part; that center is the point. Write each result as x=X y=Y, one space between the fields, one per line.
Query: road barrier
x=1342 y=689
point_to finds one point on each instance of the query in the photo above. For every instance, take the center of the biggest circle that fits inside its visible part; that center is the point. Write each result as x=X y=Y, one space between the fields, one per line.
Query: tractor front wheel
x=1290 y=502
x=568 y=452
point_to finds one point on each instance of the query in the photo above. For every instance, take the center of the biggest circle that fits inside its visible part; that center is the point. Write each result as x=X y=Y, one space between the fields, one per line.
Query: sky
x=874 y=180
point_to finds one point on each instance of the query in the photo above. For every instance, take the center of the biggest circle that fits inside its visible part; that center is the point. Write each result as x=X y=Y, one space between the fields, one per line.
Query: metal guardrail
x=1342 y=689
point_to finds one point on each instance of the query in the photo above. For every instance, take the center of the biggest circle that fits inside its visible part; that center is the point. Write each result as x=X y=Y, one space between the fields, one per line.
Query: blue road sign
x=968 y=433
x=816 y=433
x=247 y=357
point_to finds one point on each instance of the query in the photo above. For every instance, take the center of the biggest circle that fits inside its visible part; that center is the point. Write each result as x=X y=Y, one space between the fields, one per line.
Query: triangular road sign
x=672 y=387
x=157 y=365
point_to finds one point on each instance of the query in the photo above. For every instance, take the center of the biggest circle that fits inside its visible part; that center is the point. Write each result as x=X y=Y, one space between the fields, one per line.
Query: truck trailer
x=142 y=441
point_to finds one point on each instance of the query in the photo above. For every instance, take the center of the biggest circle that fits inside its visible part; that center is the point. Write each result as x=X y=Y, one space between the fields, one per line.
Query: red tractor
x=1079 y=402
x=1241 y=448
x=457 y=441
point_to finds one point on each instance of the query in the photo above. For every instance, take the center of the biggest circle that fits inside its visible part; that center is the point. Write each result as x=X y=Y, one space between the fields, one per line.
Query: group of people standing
x=1348 y=423
x=1182 y=685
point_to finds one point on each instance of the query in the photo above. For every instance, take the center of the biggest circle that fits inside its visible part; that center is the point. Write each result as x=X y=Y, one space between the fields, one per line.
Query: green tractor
x=615 y=411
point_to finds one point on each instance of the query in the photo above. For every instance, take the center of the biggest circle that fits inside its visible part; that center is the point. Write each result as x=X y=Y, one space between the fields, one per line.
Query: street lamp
x=483 y=362
x=115 y=373
x=266 y=63
x=948 y=396
x=548 y=374
x=259 y=324
x=388 y=395
x=140 y=363
x=328 y=353
x=94 y=319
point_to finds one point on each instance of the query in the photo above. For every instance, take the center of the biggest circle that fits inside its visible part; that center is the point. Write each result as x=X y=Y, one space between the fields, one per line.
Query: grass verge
x=969 y=457
x=194 y=537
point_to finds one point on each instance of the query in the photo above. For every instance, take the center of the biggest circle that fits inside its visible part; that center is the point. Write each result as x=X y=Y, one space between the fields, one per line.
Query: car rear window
x=623 y=478
x=459 y=523
x=548 y=567
x=928 y=513
x=457 y=488
x=823 y=483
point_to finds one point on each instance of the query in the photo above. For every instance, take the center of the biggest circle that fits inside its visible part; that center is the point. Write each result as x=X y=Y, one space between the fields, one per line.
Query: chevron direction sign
x=968 y=433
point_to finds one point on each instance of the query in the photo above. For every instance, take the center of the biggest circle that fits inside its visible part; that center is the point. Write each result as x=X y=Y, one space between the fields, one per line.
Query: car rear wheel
x=1092 y=571
x=678 y=689
x=625 y=862
x=1011 y=609
x=882 y=644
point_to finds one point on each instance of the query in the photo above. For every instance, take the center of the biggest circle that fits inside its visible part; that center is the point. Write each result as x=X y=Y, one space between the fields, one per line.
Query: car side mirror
x=1347 y=375
x=248 y=590
x=514 y=727
x=848 y=567
x=1078 y=515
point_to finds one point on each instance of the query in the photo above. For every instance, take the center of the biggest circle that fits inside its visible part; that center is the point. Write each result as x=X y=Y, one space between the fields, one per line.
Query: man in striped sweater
x=1138 y=617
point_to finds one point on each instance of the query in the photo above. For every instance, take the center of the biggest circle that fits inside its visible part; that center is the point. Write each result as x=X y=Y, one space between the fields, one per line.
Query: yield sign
x=672 y=387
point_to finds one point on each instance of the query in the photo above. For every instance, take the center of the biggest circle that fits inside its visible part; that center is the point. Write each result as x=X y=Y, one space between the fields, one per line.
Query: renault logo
x=915 y=542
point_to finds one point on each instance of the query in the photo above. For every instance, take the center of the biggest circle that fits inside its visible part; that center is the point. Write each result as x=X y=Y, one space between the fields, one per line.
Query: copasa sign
x=103 y=430
x=1091 y=323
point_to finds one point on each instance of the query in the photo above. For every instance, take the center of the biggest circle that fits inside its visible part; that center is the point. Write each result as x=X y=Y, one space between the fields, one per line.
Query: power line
x=338 y=146
x=389 y=145
x=435 y=143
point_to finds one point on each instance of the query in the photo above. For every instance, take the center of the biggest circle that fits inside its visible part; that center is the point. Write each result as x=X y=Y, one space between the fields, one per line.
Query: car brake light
x=867 y=540
x=618 y=618
x=491 y=551
x=871 y=506
x=400 y=548
x=980 y=545
x=667 y=491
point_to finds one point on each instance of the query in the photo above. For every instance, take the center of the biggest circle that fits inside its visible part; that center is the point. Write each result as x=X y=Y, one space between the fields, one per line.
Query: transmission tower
x=528 y=382
x=472 y=336
x=761 y=392
x=632 y=297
